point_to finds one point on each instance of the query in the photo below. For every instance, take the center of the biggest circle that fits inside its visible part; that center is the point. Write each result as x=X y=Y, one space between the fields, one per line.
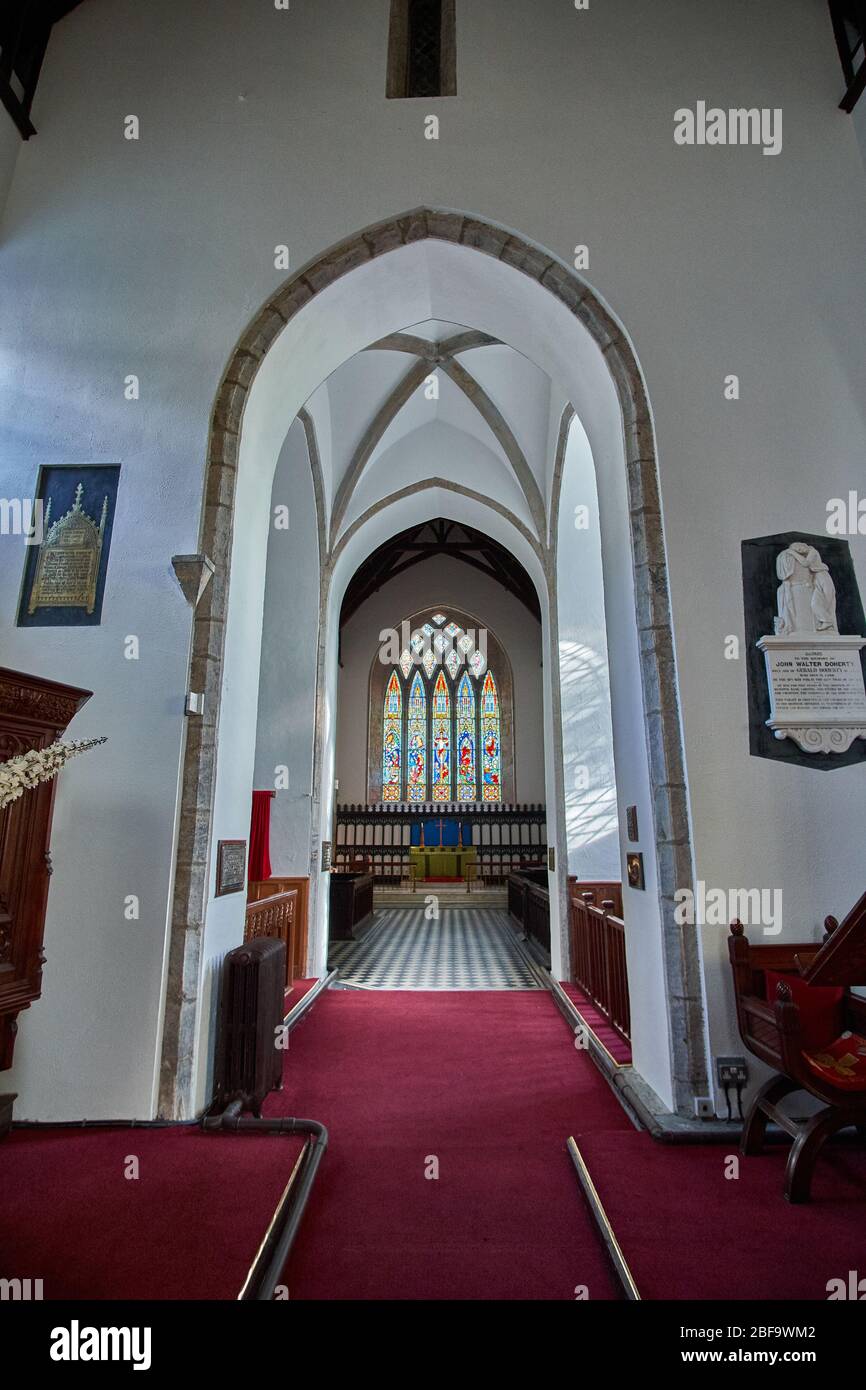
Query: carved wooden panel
x=33 y=713
x=269 y=888
x=276 y=917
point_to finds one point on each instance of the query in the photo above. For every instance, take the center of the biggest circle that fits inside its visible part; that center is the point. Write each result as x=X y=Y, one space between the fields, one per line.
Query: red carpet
x=490 y=1085
x=687 y=1231
x=188 y=1227
x=298 y=990
x=620 y=1051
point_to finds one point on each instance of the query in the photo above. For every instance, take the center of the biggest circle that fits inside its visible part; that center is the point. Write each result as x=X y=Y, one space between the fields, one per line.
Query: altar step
x=449 y=895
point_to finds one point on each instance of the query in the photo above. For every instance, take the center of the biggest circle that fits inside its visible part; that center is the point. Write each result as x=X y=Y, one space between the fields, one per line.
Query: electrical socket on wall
x=732 y=1071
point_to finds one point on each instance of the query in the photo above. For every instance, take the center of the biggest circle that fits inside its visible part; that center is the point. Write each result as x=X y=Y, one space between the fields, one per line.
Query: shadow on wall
x=590 y=795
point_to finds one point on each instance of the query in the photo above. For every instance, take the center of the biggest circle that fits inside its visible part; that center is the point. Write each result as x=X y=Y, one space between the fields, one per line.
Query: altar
x=441 y=862
x=442 y=848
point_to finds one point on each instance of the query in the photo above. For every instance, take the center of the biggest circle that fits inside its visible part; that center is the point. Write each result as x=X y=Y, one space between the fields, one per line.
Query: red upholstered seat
x=821 y=1007
x=843 y=1063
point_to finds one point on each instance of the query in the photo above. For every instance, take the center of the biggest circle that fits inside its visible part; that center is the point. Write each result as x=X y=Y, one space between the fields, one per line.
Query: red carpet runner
x=489 y=1085
x=188 y=1226
x=688 y=1229
x=620 y=1051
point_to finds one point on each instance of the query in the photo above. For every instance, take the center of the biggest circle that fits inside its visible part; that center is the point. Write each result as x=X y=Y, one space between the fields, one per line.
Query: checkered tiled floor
x=466 y=949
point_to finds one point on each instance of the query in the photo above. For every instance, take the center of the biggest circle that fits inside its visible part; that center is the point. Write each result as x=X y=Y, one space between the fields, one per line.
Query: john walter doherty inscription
x=814 y=672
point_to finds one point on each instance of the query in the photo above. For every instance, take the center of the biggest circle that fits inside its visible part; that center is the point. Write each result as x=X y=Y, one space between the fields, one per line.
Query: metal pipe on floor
x=266 y=1269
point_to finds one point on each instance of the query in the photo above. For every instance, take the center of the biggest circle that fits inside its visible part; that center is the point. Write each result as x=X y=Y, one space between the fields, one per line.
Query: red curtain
x=260 y=838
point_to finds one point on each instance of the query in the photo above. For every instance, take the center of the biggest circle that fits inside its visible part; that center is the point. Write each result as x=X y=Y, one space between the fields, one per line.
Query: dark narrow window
x=849 y=26
x=25 y=27
x=425 y=48
x=422 y=49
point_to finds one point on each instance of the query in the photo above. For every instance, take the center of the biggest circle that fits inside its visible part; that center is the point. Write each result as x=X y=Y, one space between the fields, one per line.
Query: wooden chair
x=790 y=1031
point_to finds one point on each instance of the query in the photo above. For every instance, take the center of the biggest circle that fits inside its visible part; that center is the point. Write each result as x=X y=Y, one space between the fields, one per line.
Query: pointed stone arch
x=659 y=688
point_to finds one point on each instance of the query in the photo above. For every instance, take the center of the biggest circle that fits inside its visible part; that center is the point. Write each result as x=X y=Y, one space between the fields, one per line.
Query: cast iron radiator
x=248 y=1062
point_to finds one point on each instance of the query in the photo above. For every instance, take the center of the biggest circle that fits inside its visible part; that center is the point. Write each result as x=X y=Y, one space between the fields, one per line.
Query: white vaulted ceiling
x=486 y=425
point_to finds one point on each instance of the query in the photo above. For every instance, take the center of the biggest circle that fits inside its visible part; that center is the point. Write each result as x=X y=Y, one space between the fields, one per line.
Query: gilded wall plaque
x=68 y=565
x=64 y=577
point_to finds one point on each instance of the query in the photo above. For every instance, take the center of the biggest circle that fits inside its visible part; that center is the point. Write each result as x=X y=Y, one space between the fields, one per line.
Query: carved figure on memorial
x=823 y=596
x=814 y=673
x=806 y=596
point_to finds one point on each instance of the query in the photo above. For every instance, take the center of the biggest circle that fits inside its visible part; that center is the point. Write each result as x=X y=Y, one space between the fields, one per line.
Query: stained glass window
x=467 y=777
x=392 y=740
x=416 y=739
x=442 y=725
x=441 y=730
x=491 y=759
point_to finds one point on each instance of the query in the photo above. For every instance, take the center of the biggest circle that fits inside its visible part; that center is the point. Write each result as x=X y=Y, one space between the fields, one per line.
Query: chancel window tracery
x=441 y=723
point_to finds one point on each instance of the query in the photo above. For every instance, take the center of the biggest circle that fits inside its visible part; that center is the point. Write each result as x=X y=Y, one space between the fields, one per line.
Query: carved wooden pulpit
x=33 y=714
x=797 y=1013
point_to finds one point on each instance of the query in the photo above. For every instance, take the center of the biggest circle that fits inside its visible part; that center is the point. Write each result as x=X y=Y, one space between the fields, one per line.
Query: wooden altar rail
x=278 y=907
x=529 y=904
x=598 y=950
x=507 y=837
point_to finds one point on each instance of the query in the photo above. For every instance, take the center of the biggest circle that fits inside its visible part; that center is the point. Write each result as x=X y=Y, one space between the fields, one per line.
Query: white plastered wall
x=589 y=781
x=285 y=726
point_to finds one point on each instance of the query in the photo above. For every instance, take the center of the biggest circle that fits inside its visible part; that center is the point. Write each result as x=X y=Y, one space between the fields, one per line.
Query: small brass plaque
x=634 y=870
x=231 y=874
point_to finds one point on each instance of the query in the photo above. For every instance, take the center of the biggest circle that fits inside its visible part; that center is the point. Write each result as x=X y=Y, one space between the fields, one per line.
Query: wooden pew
x=812 y=1031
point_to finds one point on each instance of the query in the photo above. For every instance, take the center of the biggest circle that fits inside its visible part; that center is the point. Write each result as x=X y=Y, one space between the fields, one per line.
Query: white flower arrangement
x=38 y=765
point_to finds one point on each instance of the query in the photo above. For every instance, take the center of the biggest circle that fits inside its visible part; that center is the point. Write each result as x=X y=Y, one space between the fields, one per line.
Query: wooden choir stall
x=797 y=1013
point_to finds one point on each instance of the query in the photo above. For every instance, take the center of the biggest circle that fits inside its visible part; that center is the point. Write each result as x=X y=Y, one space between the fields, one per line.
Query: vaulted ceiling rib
x=432 y=352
